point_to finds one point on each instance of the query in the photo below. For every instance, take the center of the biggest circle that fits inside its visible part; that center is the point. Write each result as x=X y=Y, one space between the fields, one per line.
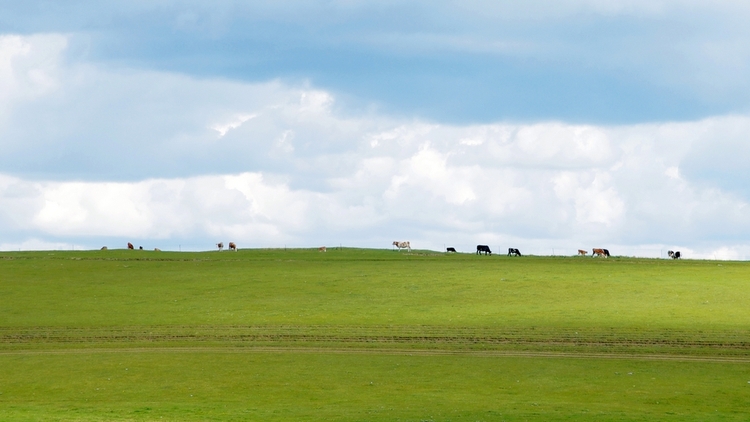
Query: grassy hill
x=355 y=334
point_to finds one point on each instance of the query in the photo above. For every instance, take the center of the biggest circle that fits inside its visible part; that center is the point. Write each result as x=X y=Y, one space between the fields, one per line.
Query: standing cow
x=600 y=252
x=130 y=246
x=220 y=245
x=483 y=249
x=514 y=252
x=402 y=245
x=674 y=255
x=232 y=246
x=451 y=250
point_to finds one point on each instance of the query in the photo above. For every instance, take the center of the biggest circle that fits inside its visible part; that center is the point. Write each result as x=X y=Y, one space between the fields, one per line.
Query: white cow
x=402 y=245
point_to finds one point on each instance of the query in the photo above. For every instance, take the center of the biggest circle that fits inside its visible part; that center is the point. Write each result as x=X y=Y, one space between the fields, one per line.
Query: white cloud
x=234 y=123
x=40 y=245
x=288 y=168
x=28 y=66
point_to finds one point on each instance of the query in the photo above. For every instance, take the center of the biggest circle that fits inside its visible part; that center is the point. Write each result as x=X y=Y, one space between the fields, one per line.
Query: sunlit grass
x=370 y=335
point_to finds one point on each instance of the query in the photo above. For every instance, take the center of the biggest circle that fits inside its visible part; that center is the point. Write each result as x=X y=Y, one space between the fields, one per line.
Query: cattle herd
x=481 y=249
x=220 y=245
x=485 y=250
x=232 y=246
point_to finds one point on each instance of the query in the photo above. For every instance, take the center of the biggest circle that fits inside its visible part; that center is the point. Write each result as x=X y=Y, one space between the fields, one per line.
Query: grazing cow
x=232 y=246
x=322 y=249
x=483 y=248
x=674 y=255
x=140 y=248
x=451 y=250
x=402 y=245
x=600 y=252
x=220 y=245
x=514 y=252
x=104 y=248
x=130 y=246
x=582 y=252
x=157 y=250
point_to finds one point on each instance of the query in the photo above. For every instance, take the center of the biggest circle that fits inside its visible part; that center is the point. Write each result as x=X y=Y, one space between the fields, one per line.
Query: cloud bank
x=95 y=155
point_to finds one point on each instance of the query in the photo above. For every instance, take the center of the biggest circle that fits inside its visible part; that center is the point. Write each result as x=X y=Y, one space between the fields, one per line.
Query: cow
x=599 y=252
x=104 y=248
x=582 y=252
x=130 y=246
x=220 y=245
x=674 y=255
x=450 y=249
x=402 y=245
x=140 y=248
x=483 y=248
x=322 y=249
x=232 y=246
x=157 y=250
x=514 y=252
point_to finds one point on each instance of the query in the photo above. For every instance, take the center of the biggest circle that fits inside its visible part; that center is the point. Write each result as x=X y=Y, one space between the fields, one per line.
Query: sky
x=547 y=126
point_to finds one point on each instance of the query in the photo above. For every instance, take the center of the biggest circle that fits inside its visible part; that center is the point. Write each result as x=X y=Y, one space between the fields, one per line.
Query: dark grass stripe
x=609 y=339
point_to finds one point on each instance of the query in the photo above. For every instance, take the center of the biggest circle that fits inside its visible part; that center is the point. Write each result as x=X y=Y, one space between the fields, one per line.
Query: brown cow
x=232 y=246
x=600 y=252
x=322 y=249
x=130 y=246
x=582 y=252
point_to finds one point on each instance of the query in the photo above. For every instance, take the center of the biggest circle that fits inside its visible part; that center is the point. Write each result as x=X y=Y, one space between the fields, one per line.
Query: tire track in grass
x=436 y=336
x=389 y=352
x=616 y=343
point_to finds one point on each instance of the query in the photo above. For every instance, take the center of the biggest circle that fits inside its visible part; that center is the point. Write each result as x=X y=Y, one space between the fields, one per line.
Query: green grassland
x=356 y=334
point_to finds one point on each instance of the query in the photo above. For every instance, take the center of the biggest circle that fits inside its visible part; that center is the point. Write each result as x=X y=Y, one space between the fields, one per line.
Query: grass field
x=357 y=334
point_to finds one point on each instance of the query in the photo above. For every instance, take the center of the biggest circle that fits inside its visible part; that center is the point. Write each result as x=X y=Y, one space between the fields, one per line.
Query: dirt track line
x=392 y=352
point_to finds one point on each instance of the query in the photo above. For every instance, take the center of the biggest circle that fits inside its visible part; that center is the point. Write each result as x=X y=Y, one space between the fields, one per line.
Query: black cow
x=451 y=250
x=514 y=252
x=674 y=255
x=483 y=248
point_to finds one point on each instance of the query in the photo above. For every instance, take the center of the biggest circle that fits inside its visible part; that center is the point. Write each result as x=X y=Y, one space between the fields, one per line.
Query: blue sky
x=541 y=124
x=582 y=61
